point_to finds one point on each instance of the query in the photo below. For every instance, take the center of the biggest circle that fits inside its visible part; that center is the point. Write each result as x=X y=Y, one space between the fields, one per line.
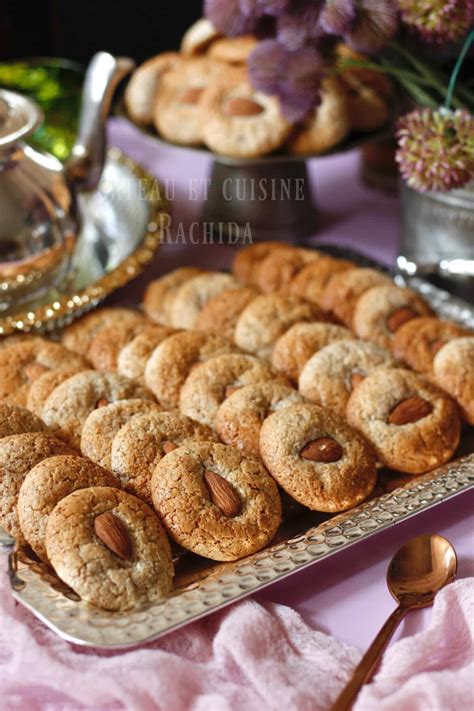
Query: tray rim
x=67 y=307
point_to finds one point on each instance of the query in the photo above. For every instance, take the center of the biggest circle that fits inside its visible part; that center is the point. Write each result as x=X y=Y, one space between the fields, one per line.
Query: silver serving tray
x=202 y=586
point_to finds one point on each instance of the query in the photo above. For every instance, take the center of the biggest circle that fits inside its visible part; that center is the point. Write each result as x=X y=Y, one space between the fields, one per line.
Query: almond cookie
x=418 y=341
x=453 y=370
x=343 y=290
x=18 y=420
x=412 y=425
x=172 y=361
x=240 y=416
x=18 y=454
x=246 y=261
x=43 y=386
x=70 y=404
x=176 y=112
x=194 y=294
x=329 y=123
x=267 y=317
x=78 y=336
x=215 y=501
x=110 y=548
x=23 y=363
x=102 y=425
x=220 y=314
x=317 y=458
x=198 y=37
x=331 y=374
x=233 y=50
x=276 y=271
x=208 y=385
x=292 y=351
x=107 y=344
x=310 y=282
x=133 y=357
x=381 y=311
x=142 y=85
x=46 y=484
x=238 y=121
x=143 y=441
x=160 y=293
x=7 y=341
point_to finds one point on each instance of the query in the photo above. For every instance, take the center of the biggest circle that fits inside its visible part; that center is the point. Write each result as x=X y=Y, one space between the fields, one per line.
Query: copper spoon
x=416 y=573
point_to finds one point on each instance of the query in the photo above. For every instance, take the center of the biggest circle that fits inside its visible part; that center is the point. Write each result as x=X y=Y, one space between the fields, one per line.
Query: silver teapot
x=39 y=214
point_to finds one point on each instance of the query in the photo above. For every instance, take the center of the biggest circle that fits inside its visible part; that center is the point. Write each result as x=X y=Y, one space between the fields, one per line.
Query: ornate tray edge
x=68 y=307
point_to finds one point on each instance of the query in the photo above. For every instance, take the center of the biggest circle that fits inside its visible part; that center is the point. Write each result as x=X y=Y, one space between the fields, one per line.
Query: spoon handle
x=369 y=661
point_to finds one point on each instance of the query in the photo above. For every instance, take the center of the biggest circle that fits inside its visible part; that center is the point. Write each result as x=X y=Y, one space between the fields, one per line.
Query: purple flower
x=299 y=23
x=229 y=18
x=365 y=24
x=338 y=16
x=263 y=7
x=294 y=77
x=441 y=21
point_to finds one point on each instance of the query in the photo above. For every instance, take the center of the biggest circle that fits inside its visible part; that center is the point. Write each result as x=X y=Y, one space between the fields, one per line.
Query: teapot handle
x=104 y=73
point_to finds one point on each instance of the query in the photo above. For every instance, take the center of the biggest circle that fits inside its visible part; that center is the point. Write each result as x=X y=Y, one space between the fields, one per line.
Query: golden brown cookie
x=453 y=370
x=69 y=405
x=160 y=292
x=142 y=86
x=246 y=261
x=267 y=317
x=317 y=458
x=208 y=385
x=22 y=363
x=110 y=548
x=343 y=290
x=215 y=501
x=18 y=420
x=276 y=271
x=102 y=425
x=133 y=357
x=381 y=311
x=194 y=294
x=18 y=454
x=143 y=441
x=6 y=341
x=46 y=484
x=237 y=120
x=412 y=425
x=220 y=314
x=198 y=37
x=171 y=362
x=78 y=336
x=309 y=283
x=418 y=340
x=233 y=50
x=107 y=344
x=296 y=346
x=328 y=124
x=331 y=374
x=241 y=415
x=43 y=386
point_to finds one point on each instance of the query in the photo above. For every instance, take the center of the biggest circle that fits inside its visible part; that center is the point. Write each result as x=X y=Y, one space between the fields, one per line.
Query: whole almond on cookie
x=410 y=410
x=113 y=534
x=222 y=494
x=323 y=449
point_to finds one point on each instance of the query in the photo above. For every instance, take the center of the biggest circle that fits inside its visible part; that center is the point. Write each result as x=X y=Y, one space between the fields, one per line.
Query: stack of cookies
x=203 y=95
x=181 y=422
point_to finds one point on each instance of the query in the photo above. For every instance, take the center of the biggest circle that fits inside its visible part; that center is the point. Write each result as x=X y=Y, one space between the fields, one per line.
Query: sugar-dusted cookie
x=78 y=336
x=110 y=548
x=144 y=440
x=417 y=341
x=18 y=454
x=453 y=370
x=18 y=420
x=331 y=374
x=317 y=458
x=309 y=283
x=133 y=357
x=342 y=291
x=233 y=50
x=46 y=484
x=102 y=425
x=267 y=317
x=381 y=311
x=69 y=405
x=194 y=294
x=142 y=85
x=246 y=261
x=215 y=501
x=171 y=362
x=220 y=314
x=240 y=416
x=412 y=425
x=21 y=364
x=276 y=271
x=295 y=347
x=42 y=387
x=160 y=292
x=208 y=385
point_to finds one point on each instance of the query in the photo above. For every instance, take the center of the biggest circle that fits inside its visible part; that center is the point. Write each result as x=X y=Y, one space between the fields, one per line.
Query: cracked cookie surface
x=418 y=340
x=453 y=370
x=18 y=420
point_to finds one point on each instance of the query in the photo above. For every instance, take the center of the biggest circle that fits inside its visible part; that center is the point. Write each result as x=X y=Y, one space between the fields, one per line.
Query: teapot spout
x=104 y=73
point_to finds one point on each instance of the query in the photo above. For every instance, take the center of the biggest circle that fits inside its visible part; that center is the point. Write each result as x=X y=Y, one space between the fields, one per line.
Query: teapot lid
x=19 y=116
